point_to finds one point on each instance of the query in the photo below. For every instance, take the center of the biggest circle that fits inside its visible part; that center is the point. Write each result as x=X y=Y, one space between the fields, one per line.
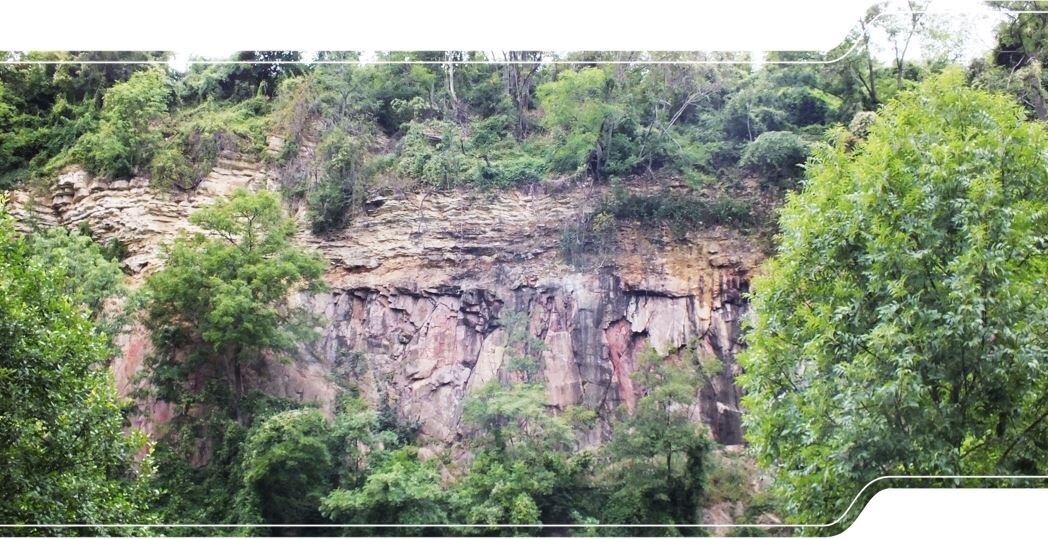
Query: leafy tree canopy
x=655 y=462
x=900 y=327
x=64 y=456
x=224 y=294
x=400 y=489
x=287 y=468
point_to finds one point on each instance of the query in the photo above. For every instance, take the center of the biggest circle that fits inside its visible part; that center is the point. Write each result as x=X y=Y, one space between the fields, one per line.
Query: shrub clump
x=126 y=137
x=680 y=211
x=189 y=153
x=341 y=182
x=775 y=155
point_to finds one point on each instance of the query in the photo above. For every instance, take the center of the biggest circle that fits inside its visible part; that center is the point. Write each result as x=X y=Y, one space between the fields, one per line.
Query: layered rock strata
x=422 y=287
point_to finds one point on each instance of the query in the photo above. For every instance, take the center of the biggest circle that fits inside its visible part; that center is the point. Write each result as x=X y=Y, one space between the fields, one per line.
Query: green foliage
x=523 y=471
x=358 y=436
x=783 y=98
x=681 y=211
x=46 y=107
x=513 y=420
x=748 y=113
x=1021 y=38
x=224 y=295
x=258 y=76
x=589 y=241
x=521 y=346
x=64 y=456
x=287 y=468
x=171 y=167
x=41 y=84
x=728 y=479
x=899 y=330
x=220 y=302
x=494 y=492
x=775 y=155
x=195 y=138
x=341 y=184
x=438 y=154
x=90 y=278
x=126 y=136
x=655 y=464
x=400 y=489
x=434 y=153
x=1024 y=81
x=511 y=170
x=28 y=142
x=199 y=470
x=404 y=93
x=539 y=488
x=583 y=119
x=805 y=105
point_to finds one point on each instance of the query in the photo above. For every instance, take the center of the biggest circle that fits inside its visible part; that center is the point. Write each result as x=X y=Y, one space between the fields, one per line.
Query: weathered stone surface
x=420 y=286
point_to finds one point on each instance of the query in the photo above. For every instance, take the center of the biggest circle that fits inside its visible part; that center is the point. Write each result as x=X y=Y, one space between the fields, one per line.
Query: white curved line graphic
x=831 y=524
x=513 y=62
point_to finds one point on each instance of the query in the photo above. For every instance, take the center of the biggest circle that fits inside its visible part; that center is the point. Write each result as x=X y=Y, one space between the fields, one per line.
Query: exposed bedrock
x=421 y=287
x=423 y=351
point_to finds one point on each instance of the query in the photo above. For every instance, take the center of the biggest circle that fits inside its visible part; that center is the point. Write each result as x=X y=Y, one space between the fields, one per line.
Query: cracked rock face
x=423 y=286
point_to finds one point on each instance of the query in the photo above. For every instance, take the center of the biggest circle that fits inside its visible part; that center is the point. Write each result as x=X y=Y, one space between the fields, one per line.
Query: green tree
x=900 y=327
x=222 y=297
x=543 y=487
x=49 y=106
x=524 y=470
x=512 y=420
x=400 y=489
x=655 y=464
x=260 y=75
x=64 y=455
x=1019 y=57
x=776 y=155
x=341 y=184
x=90 y=277
x=126 y=136
x=287 y=468
x=582 y=116
x=433 y=152
x=1021 y=37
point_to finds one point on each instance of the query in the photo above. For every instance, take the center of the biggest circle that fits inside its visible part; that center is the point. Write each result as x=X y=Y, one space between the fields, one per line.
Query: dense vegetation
x=64 y=457
x=352 y=131
x=899 y=329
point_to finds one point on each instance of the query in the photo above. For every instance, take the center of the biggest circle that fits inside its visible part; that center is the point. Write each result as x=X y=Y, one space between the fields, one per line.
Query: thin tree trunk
x=238 y=384
x=1037 y=98
x=869 y=63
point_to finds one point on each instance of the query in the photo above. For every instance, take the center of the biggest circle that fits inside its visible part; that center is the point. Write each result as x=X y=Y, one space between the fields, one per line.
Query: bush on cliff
x=775 y=155
x=127 y=133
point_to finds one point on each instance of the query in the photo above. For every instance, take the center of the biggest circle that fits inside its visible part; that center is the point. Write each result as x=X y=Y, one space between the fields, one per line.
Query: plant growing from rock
x=654 y=467
x=221 y=299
